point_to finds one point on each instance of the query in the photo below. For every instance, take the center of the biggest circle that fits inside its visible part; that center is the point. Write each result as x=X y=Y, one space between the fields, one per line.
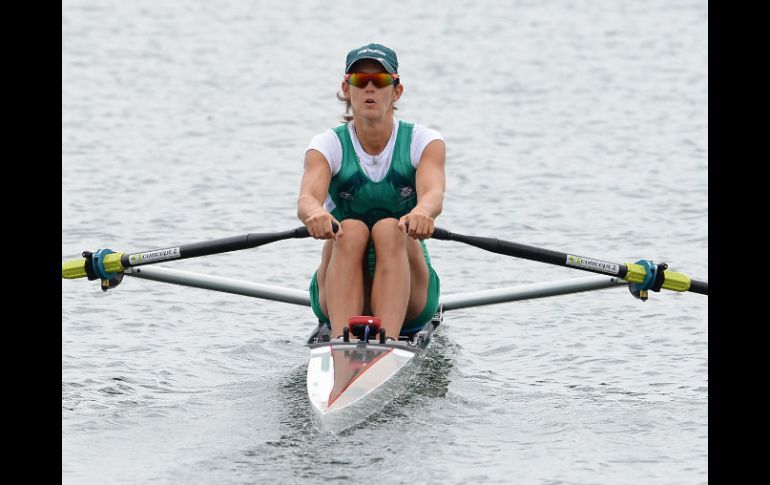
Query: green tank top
x=356 y=196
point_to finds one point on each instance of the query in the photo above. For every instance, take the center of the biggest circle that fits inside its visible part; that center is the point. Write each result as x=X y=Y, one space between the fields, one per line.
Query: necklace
x=374 y=161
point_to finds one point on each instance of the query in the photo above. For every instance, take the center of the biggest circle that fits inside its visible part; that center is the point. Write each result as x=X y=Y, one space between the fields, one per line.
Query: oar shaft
x=630 y=272
x=700 y=287
x=207 y=248
x=515 y=249
x=532 y=253
x=118 y=262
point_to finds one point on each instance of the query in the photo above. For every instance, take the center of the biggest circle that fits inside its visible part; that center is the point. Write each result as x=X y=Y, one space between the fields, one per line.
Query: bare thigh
x=386 y=232
x=326 y=254
x=419 y=279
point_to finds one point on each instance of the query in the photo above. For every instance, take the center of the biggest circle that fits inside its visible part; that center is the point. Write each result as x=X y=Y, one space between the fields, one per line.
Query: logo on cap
x=374 y=51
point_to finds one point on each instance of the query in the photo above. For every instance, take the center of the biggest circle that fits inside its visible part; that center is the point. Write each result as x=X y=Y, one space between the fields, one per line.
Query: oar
x=644 y=275
x=108 y=266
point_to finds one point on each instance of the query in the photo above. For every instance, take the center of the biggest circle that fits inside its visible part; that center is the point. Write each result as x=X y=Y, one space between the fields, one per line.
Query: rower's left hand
x=417 y=225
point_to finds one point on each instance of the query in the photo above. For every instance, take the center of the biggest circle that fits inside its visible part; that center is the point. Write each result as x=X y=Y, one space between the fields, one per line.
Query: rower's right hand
x=319 y=225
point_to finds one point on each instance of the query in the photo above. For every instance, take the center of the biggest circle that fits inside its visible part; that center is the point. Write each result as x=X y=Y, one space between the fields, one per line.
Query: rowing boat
x=347 y=382
x=350 y=378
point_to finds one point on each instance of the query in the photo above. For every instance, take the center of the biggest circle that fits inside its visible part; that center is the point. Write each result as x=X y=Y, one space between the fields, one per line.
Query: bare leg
x=341 y=280
x=400 y=285
x=419 y=277
x=326 y=255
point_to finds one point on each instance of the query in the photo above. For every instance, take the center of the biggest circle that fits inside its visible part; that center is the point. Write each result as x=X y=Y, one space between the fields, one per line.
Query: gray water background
x=576 y=126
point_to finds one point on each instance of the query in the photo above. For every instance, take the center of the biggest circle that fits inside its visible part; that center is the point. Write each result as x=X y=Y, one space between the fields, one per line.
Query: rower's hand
x=319 y=225
x=417 y=225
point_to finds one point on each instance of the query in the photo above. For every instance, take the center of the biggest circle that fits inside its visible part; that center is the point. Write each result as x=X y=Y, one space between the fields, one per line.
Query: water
x=576 y=126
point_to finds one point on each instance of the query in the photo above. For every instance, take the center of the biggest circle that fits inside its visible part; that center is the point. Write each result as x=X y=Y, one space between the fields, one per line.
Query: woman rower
x=382 y=180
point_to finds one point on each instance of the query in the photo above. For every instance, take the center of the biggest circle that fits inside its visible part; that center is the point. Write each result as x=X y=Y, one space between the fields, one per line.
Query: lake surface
x=575 y=126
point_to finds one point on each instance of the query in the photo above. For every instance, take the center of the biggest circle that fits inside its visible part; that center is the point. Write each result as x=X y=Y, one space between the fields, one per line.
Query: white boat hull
x=356 y=395
x=347 y=382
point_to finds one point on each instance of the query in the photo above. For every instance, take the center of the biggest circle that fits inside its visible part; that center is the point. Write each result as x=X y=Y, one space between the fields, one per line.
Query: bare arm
x=312 y=193
x=431 y=183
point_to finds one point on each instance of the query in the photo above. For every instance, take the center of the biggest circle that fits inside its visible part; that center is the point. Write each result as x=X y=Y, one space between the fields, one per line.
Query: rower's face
x=371 y=100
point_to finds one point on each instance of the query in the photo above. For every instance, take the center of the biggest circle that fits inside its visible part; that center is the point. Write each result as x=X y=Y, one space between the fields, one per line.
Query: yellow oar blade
x=676 y=281
x=76 y=268
x=672 y=280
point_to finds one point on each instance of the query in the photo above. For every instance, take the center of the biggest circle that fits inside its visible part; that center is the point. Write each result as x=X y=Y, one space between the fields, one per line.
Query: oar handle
x=441 y=234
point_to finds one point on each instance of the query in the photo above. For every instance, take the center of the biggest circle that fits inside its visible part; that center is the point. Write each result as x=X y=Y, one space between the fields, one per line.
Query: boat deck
x=349 y=381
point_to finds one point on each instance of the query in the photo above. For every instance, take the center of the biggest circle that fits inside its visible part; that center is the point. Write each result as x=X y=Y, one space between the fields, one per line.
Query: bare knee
x=388 y=238
x=355 y=237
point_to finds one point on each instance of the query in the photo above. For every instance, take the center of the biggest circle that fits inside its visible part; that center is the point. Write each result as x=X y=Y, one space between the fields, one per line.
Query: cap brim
x=384 y=63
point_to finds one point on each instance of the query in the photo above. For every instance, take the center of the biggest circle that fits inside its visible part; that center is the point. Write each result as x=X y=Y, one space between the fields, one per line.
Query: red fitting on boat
x=358 y=325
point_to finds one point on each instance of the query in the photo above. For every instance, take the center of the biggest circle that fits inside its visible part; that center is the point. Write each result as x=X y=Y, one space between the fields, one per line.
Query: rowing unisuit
x=373 y=187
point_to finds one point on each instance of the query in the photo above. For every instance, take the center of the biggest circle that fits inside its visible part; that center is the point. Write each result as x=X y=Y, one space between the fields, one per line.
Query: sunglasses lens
x=361 y=80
